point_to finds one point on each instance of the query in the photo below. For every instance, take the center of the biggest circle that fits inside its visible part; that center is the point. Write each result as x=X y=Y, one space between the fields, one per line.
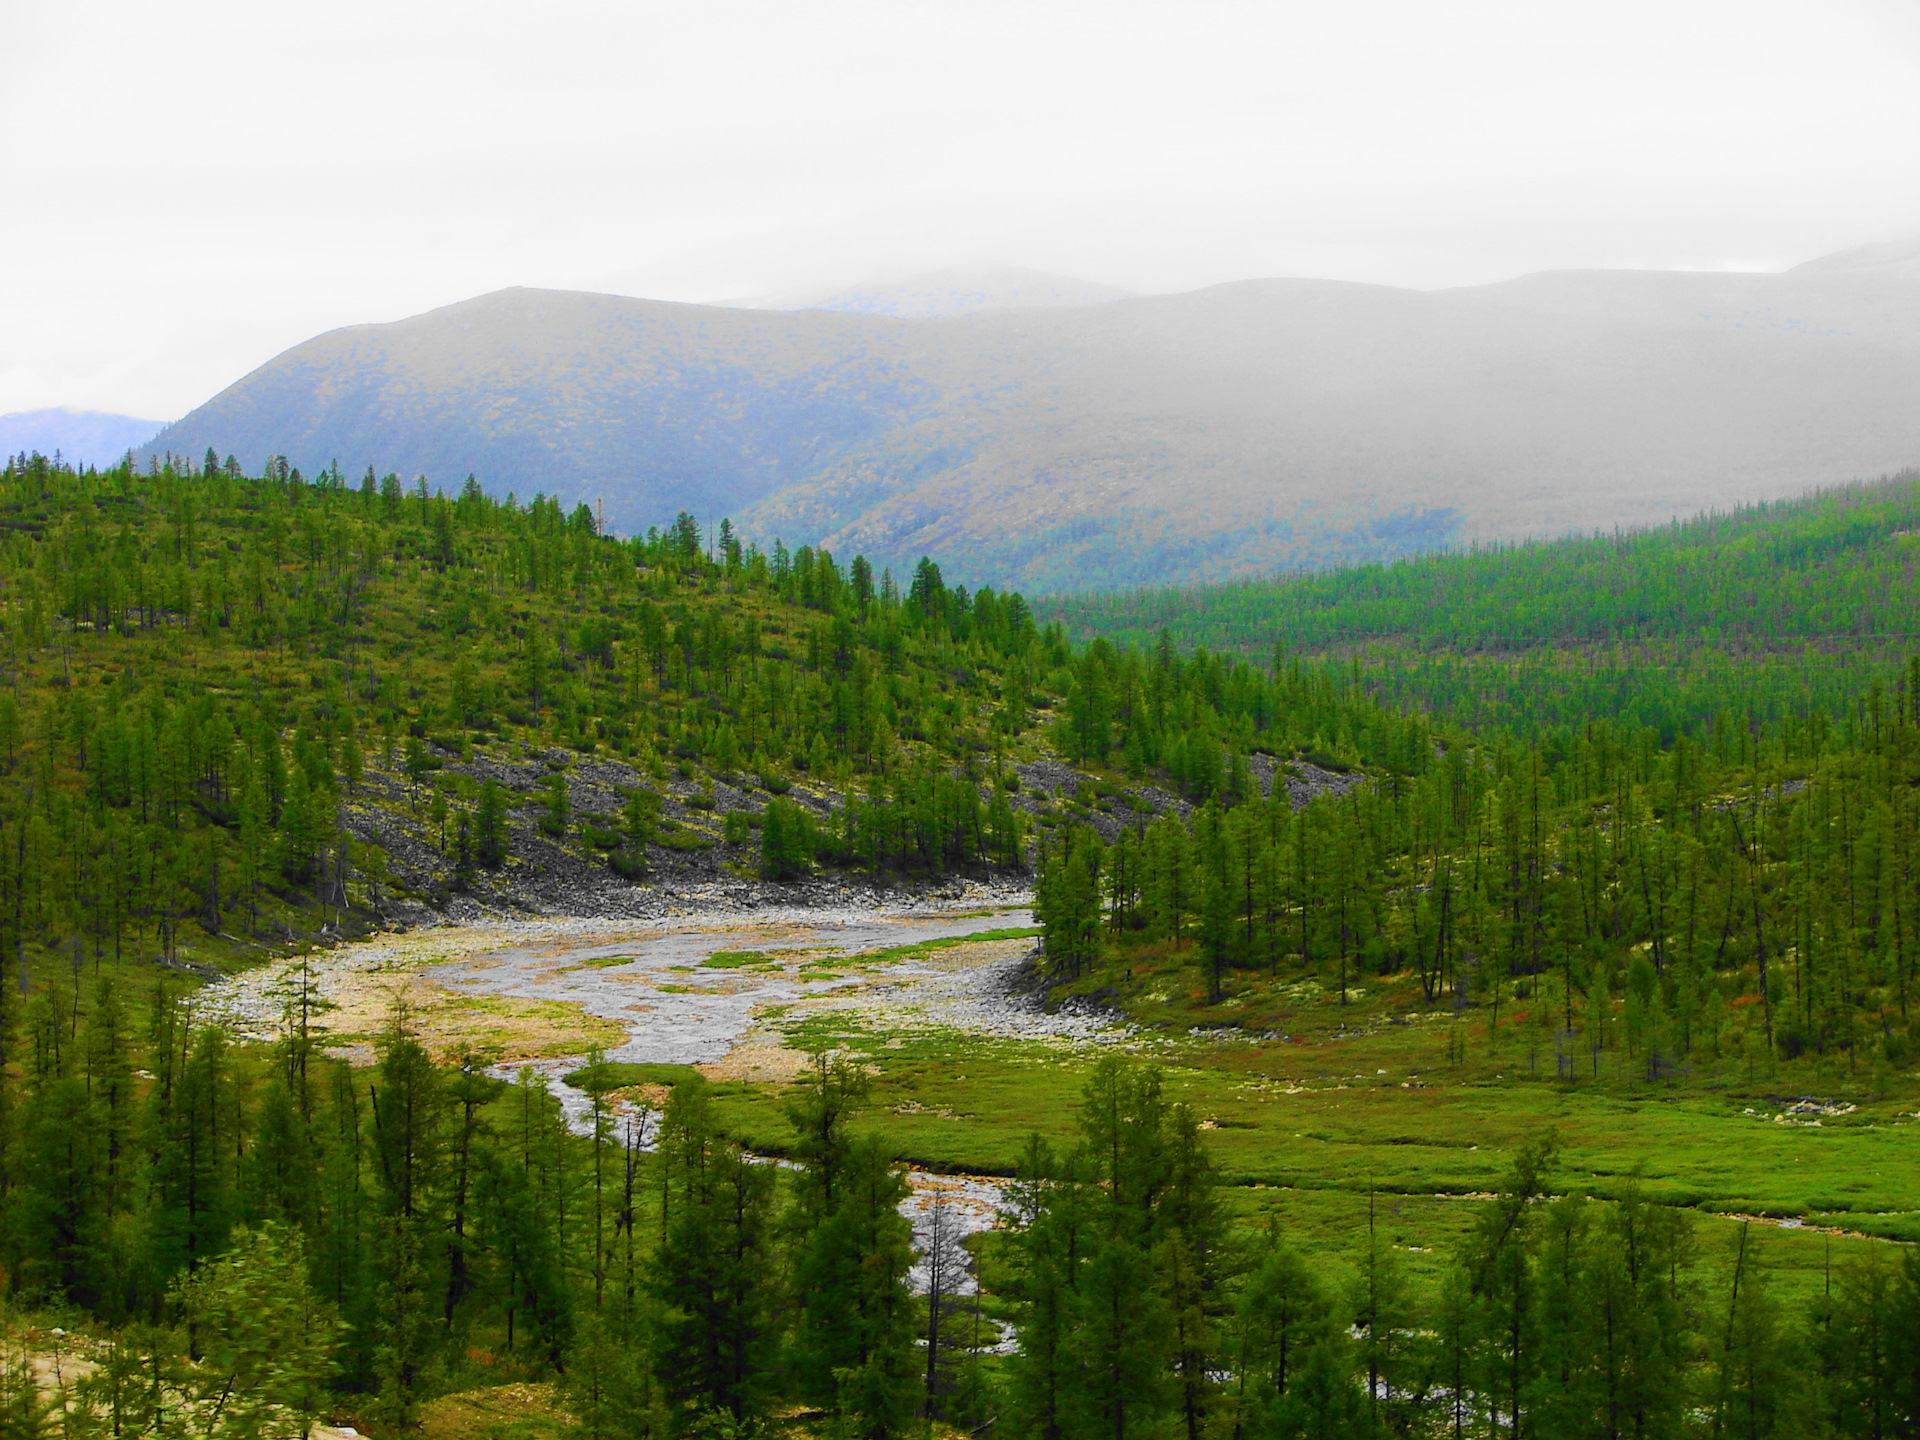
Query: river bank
x=646 y=989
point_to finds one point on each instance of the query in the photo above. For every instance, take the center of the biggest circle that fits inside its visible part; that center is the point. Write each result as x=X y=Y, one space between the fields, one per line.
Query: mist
x=195 y=188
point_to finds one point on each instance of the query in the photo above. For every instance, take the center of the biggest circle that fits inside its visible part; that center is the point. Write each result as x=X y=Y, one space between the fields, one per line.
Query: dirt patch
x=523 y=1412
x=59 y=1360
x=760 y=1055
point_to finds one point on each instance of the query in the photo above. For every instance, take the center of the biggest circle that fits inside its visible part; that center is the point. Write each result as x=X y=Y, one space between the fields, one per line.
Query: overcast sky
x=190 y=188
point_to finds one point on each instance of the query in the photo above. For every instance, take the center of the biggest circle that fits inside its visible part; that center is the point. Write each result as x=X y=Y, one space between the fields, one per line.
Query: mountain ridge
x=936 y=294
x=83 y=437
x=1237 y=429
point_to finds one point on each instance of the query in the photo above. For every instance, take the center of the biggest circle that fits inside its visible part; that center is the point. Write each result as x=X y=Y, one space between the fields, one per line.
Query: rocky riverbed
x=699 y=986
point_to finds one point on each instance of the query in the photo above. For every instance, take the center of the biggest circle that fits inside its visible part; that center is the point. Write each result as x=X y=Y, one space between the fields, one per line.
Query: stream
x=676 y=1010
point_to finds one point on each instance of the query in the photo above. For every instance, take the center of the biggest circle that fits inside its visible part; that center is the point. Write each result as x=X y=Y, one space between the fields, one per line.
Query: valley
x=1377 y=1100
x=948 y=722
x=539 y=950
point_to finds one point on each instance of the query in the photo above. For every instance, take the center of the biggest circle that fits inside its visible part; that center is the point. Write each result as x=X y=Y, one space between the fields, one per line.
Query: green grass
x=733 y=959
x=921 y=947
x=1309 y=1129
x=603 y=962
x=684 y=838
x=619 y=1074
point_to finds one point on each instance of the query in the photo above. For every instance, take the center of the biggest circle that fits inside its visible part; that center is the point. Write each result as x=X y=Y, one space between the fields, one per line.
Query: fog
x=192 y=188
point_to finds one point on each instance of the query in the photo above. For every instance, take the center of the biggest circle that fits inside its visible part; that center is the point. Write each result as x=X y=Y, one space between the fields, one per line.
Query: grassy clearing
x=506 y=1027
x=497 y=1412
x=923 y=947
x=1361 y=1104
x=621 y=1074
x=733 y=959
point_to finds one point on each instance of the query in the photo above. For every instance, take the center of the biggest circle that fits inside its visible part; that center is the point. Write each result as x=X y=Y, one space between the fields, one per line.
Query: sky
x=190 y=188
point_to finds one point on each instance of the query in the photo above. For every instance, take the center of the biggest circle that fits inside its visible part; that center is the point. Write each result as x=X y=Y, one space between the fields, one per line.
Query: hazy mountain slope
x=656 y=406
x=1901 y=256
x=81 y=437
x=964 y=290
x=1297 y=422
x=1236 y=429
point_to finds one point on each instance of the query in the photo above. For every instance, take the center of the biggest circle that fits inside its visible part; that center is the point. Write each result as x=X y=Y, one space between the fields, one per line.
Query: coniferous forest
x=1774 y=611
x=1626 y=821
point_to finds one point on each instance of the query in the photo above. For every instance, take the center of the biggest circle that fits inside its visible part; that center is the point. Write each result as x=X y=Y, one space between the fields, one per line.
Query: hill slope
x=1278 y=423
x=80 y=437
x=236 y=706
x=1775 y=611
x=304 y=704
x=963 y=290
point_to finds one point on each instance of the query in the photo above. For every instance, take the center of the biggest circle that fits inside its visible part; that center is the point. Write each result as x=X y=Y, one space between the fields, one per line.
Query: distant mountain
x=940 y=293
x=1890 y=257
x=82 y=437
x=655 y=405
x=1234 y=430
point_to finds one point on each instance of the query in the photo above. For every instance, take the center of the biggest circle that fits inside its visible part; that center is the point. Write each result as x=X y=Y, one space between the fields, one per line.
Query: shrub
x=640 y=818
x=679 y=837
x=617 y=1074
x=559 y=807
x=786 y=840
x=490 y=838
x=596 y=837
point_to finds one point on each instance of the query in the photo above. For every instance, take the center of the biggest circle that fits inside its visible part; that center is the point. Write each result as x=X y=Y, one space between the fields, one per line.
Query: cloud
x=206 y=183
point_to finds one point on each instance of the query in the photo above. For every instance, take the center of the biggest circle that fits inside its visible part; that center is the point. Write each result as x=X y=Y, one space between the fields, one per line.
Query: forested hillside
x=1744 y=902
x=238 y=708
x=1772 y=610
x=247 y=707
x=1734 y=885
x=244 y=707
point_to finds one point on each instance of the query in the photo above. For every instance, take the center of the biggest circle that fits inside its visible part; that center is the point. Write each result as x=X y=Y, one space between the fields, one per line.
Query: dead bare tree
x=943 y=1261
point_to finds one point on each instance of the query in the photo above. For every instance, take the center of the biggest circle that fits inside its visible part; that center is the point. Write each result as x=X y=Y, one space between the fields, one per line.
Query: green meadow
x=1380 y=1104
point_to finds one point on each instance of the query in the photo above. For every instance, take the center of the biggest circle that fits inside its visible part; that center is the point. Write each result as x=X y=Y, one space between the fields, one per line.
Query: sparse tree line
x=1749 y=899
x=261 y=1236
x=1144 y=1309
